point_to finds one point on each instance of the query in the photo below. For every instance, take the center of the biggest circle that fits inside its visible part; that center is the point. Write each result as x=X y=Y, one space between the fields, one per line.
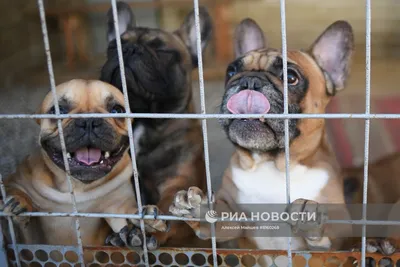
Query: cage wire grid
x=203 y=116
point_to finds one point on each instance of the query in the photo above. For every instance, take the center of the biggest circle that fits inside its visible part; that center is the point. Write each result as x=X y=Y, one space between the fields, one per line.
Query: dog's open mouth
x=88 y=164
x=90 y=156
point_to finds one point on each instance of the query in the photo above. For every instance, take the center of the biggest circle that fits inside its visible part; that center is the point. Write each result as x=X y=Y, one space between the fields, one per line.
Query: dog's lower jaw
x=87 y=174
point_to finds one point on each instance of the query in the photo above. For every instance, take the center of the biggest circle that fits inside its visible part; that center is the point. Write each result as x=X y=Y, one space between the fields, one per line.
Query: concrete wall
x=21 y=38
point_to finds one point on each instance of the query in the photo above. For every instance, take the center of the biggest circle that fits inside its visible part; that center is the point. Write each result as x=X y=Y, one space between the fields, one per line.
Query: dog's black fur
x=158 y=67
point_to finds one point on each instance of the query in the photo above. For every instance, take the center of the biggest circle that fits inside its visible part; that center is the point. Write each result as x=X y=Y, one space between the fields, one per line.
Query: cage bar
x=129 y=124
x=286 y=112
x=203 y=116
x=59 y=122
x=367 y=125
x=204 y=128
x=10 y=225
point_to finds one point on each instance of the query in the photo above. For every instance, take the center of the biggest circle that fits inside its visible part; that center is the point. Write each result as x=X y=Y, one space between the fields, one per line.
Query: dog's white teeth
x=262 y=119
x=107 y=155
x=68 y=156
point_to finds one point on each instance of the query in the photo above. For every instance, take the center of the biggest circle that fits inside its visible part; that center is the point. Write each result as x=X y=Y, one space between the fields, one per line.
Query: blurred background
x=77 y=32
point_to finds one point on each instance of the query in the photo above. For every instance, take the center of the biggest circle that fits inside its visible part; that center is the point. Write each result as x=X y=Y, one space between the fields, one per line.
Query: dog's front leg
x=307 y=218
x=122 y=231
x=127 y=232
x=16 y=203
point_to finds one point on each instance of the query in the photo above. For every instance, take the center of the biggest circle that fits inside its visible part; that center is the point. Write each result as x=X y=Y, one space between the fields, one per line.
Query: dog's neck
x=59 y=178
x=311 y=151
x=181 y=105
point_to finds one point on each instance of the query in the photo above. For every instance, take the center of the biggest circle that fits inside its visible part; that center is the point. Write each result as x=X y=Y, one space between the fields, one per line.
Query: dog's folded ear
x=248 y=37
x=187 y=32
x=126 y=20
x=333 y=52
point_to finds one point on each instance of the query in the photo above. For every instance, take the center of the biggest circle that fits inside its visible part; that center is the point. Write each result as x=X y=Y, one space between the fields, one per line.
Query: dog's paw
x=378 y=245
x=155 y=225
x=17 y=205
x=131 y=236
x=307 y=218
x=152 y=225
x=188 y=203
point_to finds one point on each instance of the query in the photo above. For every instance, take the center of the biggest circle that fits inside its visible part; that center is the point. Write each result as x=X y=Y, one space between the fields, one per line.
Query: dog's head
x=94 y=145
x=158 y=64
x=254 y=85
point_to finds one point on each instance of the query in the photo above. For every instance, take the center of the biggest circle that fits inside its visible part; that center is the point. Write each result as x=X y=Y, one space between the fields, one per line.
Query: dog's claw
x=311 y=230
x=188 y=203
x=115 y=240
x=383 y=246
x=152 y=243
x=13 y=207
x=131 y=236
x=150 y=210
x=135 y=238
x=17 y=205
x=153 y=225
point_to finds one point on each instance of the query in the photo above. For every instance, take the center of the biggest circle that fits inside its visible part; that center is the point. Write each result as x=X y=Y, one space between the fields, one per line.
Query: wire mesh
x=367 y=125
x=286 y=111
x=204 y=127
x=217 y=256
x=64 y=256
x=129 y=124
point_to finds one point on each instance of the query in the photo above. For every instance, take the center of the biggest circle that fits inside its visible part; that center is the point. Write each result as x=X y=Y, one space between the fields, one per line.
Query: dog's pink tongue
x=88 y=156
x=248 y=102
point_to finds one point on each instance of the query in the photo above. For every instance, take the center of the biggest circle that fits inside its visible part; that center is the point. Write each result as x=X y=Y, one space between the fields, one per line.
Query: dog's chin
x=253 y=135
x=84 y=172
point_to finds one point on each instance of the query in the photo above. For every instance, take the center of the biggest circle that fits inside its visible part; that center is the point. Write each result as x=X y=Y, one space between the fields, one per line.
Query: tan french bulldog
x=256 y=175
x=100 y=167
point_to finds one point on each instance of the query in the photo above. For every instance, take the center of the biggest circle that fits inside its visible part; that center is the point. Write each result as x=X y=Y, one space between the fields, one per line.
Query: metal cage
x=44 y=255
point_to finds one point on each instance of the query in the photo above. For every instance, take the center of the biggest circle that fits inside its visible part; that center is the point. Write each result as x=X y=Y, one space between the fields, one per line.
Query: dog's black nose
x=251 y=83
x=89 y=123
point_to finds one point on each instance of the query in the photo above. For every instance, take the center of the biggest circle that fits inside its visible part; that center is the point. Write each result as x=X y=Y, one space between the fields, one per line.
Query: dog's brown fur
x=383 y=188
x=41 y=185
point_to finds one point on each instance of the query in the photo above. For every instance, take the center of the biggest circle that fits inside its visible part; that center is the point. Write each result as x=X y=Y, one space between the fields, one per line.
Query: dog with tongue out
x=100 y=170
x=256 y=175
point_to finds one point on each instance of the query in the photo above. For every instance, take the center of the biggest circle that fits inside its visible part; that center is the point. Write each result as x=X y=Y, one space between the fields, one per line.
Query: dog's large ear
x=333 y=52
x=126 y=20
x=187 y=32
x=248 y=37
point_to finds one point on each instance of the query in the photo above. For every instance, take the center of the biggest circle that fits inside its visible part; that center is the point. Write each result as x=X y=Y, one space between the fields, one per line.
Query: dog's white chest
x=266 y=184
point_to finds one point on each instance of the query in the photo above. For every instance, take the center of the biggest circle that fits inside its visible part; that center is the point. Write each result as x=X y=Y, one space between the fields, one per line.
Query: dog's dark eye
x=62 y=110
x=231 y=71
x=292 y=77
x=118 y=109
